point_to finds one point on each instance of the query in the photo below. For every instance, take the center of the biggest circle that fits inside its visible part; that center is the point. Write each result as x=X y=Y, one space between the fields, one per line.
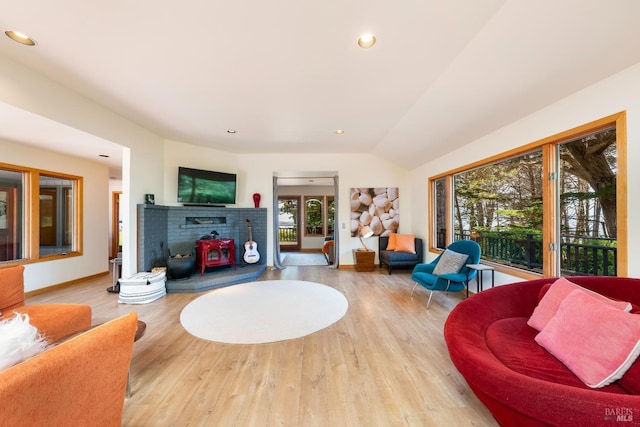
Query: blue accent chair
x=423 y=273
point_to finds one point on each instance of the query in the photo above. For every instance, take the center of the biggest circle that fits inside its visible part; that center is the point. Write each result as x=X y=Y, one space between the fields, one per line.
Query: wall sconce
x=366 y=232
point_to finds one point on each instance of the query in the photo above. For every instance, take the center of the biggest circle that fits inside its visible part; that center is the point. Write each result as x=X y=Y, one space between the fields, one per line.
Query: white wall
x=95 y=214
x=192 y=156
x=354 y=170
x=617 y=93
x=27 y=90
x=256 y=171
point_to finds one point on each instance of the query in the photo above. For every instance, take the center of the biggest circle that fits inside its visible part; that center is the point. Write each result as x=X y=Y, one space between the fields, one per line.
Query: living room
x=151 y=160
x=612 y=95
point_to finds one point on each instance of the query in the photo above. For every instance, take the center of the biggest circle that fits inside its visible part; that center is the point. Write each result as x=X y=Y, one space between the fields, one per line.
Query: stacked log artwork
x=376 y=207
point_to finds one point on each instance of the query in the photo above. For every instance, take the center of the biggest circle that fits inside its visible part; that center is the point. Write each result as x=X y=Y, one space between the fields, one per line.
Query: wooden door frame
x=298 y=245
x=115 y=223
x=8 y=236
x=50 y=237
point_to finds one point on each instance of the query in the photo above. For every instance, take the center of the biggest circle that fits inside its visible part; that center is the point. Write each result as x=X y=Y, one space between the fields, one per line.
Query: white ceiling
x=287 y=74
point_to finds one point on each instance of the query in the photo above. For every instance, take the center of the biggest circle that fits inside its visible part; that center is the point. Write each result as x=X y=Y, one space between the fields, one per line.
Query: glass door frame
x=295 y=246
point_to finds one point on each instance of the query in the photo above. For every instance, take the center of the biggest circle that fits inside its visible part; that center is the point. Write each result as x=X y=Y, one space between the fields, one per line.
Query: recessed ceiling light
x=231 y=131
x=20 y=38
x=339 y=131
x=366 y=40
x=103 y=155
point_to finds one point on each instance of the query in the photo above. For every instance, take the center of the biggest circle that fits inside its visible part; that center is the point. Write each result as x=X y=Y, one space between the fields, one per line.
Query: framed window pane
x=12 y=198
x=313 y=215
x=331 y=215
x=56 y=215
x=288 y=219
x=588 y=205
x=500 y=206
x=440 y=213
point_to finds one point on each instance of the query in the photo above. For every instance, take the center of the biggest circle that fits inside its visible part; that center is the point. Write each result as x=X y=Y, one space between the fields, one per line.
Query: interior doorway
x=306 y=203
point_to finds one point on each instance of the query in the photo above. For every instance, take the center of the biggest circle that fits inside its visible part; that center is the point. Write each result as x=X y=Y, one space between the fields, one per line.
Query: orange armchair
x=328 y=249
x=54 y=321
x=80 y=382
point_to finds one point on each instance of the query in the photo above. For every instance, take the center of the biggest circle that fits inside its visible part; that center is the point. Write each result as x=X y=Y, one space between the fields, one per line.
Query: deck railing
x=579 y=255
x=288 y=235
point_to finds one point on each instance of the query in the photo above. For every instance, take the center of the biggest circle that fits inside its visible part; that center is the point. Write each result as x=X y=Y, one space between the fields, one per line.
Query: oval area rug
x=262 y=312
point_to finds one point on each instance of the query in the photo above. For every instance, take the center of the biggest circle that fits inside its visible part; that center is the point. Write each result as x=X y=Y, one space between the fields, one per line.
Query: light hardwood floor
x=384 y=364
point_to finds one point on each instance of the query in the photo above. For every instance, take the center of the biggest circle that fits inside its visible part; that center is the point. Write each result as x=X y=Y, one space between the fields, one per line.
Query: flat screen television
x=202 y=187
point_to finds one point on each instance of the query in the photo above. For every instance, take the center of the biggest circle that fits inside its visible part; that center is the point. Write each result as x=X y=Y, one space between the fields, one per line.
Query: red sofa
x=522 y=384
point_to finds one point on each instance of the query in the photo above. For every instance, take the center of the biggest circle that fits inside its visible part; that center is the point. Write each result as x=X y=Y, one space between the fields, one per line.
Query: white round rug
x=261 y=312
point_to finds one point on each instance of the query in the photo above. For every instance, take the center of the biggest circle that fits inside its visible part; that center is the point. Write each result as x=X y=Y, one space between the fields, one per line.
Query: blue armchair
x=423 y=273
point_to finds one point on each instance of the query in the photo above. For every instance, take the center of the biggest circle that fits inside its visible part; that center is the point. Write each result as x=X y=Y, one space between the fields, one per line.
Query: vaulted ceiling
x=285 y=75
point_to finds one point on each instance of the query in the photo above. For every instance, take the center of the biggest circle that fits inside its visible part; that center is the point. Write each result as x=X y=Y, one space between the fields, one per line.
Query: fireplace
x=175 y=230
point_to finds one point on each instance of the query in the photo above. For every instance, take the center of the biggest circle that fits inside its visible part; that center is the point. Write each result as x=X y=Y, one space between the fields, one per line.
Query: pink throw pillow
x=550 y=302
x=596 y=341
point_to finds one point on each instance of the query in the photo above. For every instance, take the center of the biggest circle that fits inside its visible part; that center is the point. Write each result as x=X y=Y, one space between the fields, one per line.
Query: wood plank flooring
x=384 y=364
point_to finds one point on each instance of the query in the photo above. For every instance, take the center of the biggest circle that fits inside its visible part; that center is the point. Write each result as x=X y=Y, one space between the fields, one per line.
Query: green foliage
x=314 y=213
x=500 y=205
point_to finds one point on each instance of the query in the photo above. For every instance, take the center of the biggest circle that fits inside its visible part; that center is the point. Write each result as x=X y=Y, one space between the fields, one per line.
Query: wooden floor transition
x=384 y=364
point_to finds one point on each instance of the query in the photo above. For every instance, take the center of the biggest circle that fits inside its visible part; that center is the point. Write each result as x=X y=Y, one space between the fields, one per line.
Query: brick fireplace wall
x=164 y=230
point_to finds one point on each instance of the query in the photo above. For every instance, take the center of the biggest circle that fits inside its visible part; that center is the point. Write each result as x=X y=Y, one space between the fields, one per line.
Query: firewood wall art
x=377 y=208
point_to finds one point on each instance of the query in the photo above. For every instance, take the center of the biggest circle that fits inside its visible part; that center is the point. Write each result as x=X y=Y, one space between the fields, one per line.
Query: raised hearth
x=216 y=278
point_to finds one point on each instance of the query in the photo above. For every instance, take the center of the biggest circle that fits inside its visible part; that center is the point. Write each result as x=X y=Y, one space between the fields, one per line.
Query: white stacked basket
x=142 y=288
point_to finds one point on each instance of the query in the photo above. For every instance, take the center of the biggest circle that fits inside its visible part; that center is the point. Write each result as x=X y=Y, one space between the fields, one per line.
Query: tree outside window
x=588 y=204
x=500 y=206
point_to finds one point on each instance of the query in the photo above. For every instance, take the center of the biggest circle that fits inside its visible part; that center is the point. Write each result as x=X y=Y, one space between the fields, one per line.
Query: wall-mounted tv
x=202 y=187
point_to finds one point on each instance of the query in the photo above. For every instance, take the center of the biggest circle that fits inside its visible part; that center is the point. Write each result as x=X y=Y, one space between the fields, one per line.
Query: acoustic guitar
x=251 y=255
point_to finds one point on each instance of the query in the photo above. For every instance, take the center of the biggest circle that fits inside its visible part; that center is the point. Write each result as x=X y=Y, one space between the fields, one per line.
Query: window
x=440 y=219
x=11 y=208
x=56 y=215
x=313 y=215
x=588 y=208
x=38 y=214
x=500 y=206
x=331 y=215
x=550 y=208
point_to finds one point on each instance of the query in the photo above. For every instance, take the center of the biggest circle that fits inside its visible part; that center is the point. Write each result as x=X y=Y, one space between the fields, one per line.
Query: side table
x=480 y=268
x=140 y=330
x=364 y=259
x=115 y=274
